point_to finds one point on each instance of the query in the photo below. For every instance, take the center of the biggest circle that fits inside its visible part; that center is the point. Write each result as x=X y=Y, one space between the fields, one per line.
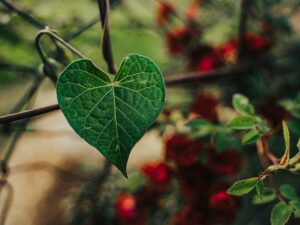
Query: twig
x=176 y=79
x=47 y=167
x=8 y=202
x=27 y=114
x=80 y=30
x=106 y=43
x=48 y=69
x=243 y=28
x=18 y=68
x=36 y=23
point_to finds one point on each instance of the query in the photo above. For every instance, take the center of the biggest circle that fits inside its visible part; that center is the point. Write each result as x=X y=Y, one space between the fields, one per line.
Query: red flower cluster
x=182 y=150
x=227 y=163
x=158 y=174
x=178 y=38
x=205 y=106
x=186 y=40
x=206 y=200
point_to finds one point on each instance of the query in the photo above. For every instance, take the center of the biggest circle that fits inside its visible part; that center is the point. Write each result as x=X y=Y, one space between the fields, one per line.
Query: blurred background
x=178 y=173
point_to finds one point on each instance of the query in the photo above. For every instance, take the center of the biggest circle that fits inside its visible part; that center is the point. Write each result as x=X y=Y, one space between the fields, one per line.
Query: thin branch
x=35 y=22
x=27 y=114
x=106 y=43
x=18 y=68
x=244 y=12
x=80 y=30
x=176 y=79
x=48 y=69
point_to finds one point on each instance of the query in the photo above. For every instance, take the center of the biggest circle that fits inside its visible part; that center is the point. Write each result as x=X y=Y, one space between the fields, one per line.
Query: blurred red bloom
x=164 y=11
x=254 y=44
x=205 y=106
x=209 y=61
x=158 y=173
x=222 y=201
x=227 y=163
x=126 y=207
x=188 y=215
x=180 y=38
x=183 y=150
x=273 y=112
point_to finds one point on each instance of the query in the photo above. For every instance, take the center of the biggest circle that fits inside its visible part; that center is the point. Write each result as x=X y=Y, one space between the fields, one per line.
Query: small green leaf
x=200 y=128
x=242 y=187
x=288 y=192
x=281 y=213
x=260 y=188
x=286 y=156
x=250 y=137
x=268 y=196
x=112 y=115
x=242 y=122
x=242 y=105
x=296 y=207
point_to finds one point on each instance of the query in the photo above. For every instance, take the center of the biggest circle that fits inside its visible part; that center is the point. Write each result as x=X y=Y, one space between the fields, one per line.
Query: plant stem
x=80 y=30
x=28 y=114
x=244 y=9
x=106 y=43
x=48 y=69
x=36 y=23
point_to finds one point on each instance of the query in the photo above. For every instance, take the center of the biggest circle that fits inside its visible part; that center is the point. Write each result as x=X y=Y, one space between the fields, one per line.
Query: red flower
x=256 y=44
x=222 y=201
x=227 y=163
x=228 y=50
x=126 y=207
x=164 y=11
x=158 y=173
x=180 y=38
x=188 y=215
x=182 y=149
x=223 y=206
x=209 y=61
x=205 y=106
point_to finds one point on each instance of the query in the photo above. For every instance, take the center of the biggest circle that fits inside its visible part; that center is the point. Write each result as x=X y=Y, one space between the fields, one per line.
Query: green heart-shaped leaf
x=112 y=115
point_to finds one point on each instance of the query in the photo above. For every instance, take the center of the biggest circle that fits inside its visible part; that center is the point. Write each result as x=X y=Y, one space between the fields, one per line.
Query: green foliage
x=281 y=213
x=292 y=106
x=286 y=156
x=250 y=137
x=288 y=192
x=242 y=105
x=267 y=196
x=243 y=187
x=242 y=122
x=112 y=116
x=200 y=128
x=260 y=188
